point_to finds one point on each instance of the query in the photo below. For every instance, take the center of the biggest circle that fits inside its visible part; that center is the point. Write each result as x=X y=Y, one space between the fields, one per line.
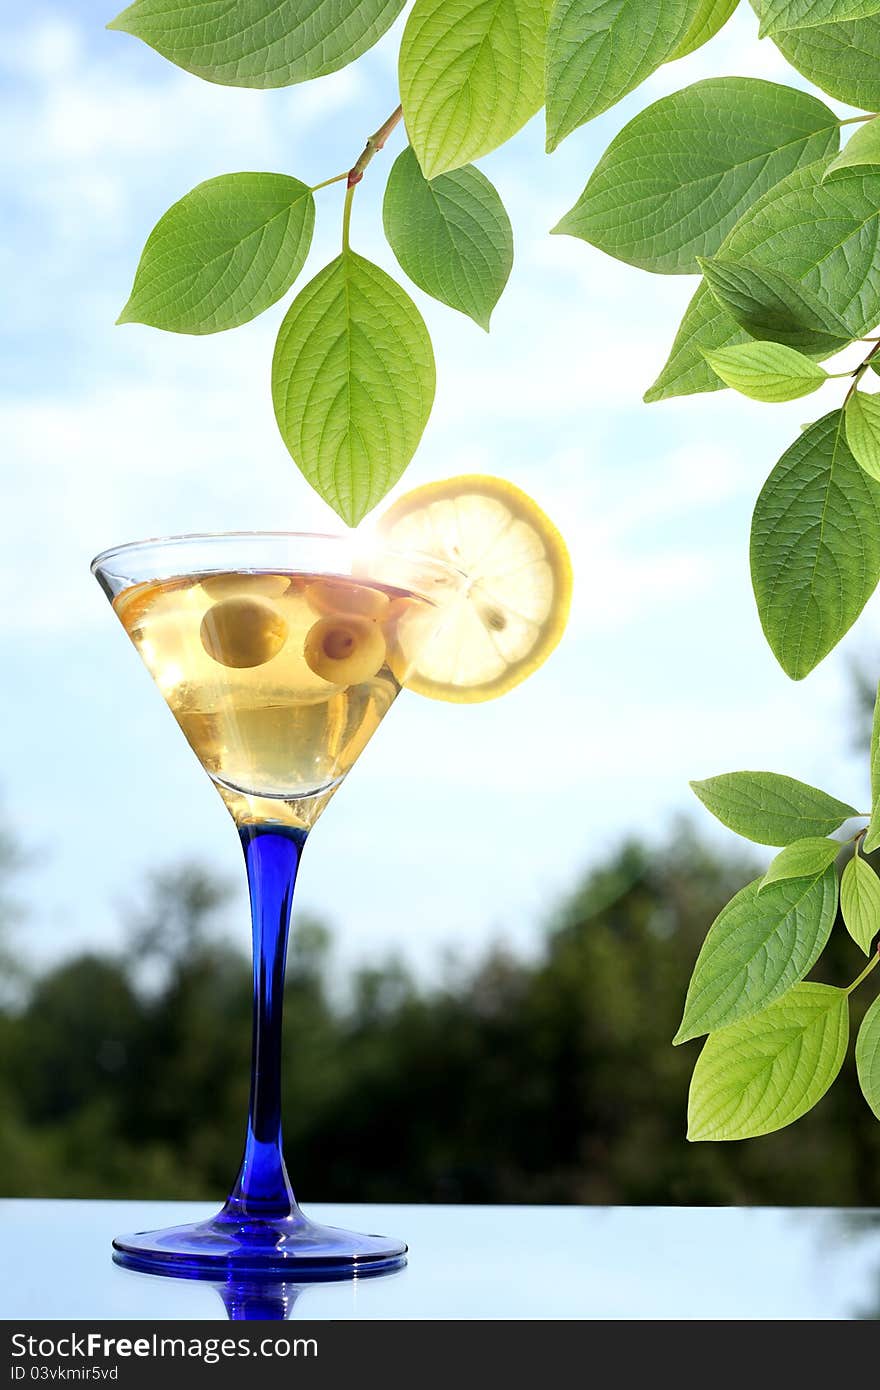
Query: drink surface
x=277 y=680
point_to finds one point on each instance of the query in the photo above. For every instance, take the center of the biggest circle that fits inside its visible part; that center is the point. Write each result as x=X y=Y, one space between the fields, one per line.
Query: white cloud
x=52 y=47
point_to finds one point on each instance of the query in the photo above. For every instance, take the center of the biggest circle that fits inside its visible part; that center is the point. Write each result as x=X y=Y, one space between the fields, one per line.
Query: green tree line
x=547 y=1078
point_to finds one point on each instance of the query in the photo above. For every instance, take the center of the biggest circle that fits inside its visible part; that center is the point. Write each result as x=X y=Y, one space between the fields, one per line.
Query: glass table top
x=480 y=1262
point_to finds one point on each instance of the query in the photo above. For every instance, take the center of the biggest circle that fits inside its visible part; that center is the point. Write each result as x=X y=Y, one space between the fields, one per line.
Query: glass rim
x=113 y=552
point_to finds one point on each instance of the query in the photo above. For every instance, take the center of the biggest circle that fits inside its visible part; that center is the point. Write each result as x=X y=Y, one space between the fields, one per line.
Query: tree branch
x=373 y=146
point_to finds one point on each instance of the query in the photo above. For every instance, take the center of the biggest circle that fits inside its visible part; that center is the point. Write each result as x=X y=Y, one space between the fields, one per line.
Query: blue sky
x=459 y=825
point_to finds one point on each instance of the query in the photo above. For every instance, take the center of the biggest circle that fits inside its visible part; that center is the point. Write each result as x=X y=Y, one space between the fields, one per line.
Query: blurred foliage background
x=548 y=1079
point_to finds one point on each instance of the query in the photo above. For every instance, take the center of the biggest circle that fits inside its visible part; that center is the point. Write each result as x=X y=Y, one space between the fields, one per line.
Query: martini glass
x=279 y=655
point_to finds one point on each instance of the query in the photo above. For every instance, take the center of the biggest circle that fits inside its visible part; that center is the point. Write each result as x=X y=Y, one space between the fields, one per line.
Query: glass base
x=290 y=1247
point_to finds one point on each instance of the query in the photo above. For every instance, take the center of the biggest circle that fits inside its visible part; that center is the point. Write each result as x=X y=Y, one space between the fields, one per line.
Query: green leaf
x=352 y=383
x=769 y=808
x=843 y=59
x=451 y=235
x=259 y=43
x=820 y=235
x=767 y=371
x=872 y=835
x=710 y=18
x=223 y=254
x=765 y=1072
x=779 y=15
x=677 y=178
x=471 y=74
x=705 y=327
x=815 y=549
x=759 y=945
x=860 y=902
x=767 y=304
x=868 y=1057
x=862 y=416
x=803 y=859
x=861 y=148
x=598 y=50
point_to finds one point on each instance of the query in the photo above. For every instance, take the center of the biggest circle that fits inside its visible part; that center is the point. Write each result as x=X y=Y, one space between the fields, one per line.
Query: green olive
x=345 y=650
x=342 y=596
x=242 y=585
x=242 y=632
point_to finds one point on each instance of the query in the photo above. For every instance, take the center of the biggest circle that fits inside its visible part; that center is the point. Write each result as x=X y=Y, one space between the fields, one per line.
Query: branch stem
x=374 y=144
x=872 y=964
x=346 y=217
x=851 y=120
x=325 y=183
x=860 y=372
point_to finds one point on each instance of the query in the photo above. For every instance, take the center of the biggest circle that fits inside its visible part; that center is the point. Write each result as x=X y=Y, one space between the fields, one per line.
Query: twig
x=373 y=146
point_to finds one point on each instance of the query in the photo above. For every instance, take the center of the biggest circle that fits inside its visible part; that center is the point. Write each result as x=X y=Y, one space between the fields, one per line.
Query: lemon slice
x=514 y=604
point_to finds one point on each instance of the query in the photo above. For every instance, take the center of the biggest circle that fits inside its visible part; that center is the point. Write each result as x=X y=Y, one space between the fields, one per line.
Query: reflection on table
x=473 y=1262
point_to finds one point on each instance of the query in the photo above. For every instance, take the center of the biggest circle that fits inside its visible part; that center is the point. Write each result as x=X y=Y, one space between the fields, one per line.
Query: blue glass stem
x=261 y=1232
x=272 y=856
